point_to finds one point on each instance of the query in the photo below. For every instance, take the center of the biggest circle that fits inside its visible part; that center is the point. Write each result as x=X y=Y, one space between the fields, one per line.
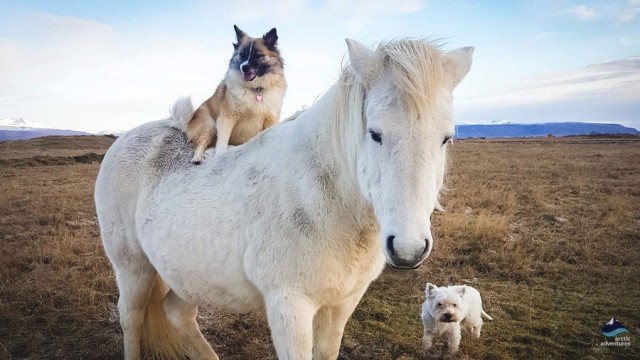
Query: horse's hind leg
x=183 y=317
x=135 y=277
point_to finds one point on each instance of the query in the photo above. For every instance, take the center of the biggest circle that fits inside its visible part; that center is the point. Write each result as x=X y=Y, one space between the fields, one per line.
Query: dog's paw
x=196 y=160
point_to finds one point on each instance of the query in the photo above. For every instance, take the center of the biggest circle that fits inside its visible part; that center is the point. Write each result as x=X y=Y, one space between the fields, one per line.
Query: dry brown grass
x=548 y=230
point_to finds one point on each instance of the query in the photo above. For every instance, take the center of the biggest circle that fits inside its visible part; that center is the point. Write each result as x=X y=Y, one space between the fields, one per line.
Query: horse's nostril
x=390 y=248
x=426 y=246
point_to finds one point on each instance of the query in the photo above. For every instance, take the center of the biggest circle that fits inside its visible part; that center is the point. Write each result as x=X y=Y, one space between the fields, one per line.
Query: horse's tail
x=182 y=112
x=486 y=316
x=159 y=336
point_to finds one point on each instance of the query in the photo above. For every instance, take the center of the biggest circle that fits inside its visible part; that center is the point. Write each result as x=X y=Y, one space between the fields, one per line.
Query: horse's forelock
x=417 y=71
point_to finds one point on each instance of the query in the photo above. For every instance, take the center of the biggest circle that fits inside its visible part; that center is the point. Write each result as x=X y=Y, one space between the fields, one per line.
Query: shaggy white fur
x=447 y=309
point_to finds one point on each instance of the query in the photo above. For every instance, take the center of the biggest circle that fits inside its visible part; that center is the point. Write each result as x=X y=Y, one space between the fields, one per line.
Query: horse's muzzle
x=403 y=263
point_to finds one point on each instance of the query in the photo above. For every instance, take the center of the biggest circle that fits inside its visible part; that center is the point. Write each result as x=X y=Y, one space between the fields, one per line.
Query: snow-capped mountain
x=112 y=132
x=19 y=128
x=20 y=124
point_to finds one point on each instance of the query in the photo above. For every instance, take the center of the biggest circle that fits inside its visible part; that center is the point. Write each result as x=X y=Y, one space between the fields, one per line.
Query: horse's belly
x=219 y=286
x=238 y=299
x=199 y=262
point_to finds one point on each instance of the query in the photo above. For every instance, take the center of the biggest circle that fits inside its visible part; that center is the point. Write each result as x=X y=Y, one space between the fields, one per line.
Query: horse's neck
x=314 y=128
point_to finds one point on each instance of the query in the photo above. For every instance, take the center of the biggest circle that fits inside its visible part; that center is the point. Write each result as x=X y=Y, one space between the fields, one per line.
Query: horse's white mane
x=416 y=67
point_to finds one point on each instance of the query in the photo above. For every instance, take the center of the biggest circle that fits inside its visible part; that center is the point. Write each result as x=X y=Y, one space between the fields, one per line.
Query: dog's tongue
x=249 y=76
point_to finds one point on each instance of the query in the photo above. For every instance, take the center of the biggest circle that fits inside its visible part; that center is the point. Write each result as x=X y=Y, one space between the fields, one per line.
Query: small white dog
x=447 y=309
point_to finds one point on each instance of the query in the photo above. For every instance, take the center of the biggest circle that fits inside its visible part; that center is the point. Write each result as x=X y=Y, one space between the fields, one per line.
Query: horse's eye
x=375 y=136
x=446 y=140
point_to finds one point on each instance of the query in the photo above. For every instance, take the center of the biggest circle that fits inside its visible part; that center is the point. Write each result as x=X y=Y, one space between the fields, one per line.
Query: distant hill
x=34 y=133
x=20 y=129
x=528 y=130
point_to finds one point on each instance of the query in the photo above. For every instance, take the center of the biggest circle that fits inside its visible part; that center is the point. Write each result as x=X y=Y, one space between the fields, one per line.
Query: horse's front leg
x=328 y=328
x=290 y=317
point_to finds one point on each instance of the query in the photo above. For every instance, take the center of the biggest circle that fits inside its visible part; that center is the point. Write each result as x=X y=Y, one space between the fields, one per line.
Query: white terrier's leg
x=454 y=338
x=476 y=330
x=328 y=328
x=135 y=279
x=224 y=127
x=183 y=317
x=427 y=340
x=290 y=318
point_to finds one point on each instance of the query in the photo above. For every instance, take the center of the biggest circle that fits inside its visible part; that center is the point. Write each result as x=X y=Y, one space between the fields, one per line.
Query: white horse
x=298 y=221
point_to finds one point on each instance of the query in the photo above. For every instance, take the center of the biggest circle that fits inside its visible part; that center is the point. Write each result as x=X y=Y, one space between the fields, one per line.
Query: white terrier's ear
x=364 y=62
x=459 y=63
x=461 y=290
x=430 y=289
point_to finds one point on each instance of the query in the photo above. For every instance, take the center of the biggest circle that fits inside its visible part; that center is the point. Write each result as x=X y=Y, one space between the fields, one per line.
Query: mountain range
x=500 y=130
x=18 y=128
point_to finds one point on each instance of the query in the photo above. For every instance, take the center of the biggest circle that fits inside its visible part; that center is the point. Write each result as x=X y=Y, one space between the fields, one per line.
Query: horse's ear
x=459 y=63
x=364 y=62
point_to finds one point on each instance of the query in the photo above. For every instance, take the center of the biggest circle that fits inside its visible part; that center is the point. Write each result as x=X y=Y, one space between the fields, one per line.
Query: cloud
x=581 y=12
x=608 y=91
x=81 y=74
x=618 y=78
x=621 y=12
x=630 y=12
x=85 y=75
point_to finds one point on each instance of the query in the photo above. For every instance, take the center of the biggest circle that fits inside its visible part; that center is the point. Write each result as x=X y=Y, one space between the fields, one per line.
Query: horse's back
x=135 y=158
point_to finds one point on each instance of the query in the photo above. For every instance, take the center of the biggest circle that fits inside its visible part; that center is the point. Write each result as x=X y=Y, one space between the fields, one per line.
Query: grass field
x=547 y=229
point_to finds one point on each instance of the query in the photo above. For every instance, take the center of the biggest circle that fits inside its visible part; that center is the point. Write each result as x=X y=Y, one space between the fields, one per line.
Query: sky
x=112 y=65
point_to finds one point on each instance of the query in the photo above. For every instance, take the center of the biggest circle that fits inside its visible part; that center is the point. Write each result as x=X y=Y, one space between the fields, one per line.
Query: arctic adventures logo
x=615 y=331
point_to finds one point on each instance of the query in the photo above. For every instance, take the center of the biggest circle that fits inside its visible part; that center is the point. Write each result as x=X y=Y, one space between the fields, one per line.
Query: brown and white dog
x=247 y=101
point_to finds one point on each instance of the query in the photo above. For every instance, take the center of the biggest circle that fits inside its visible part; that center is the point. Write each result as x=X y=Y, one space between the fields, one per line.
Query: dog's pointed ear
x=461 y=290
x=239 y=33
x=430 y=289
x=459 y=63
x=270 y=38
x=364 y=62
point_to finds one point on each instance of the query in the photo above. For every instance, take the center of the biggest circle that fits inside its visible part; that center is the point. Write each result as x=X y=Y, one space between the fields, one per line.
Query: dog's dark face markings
x=255 y=57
